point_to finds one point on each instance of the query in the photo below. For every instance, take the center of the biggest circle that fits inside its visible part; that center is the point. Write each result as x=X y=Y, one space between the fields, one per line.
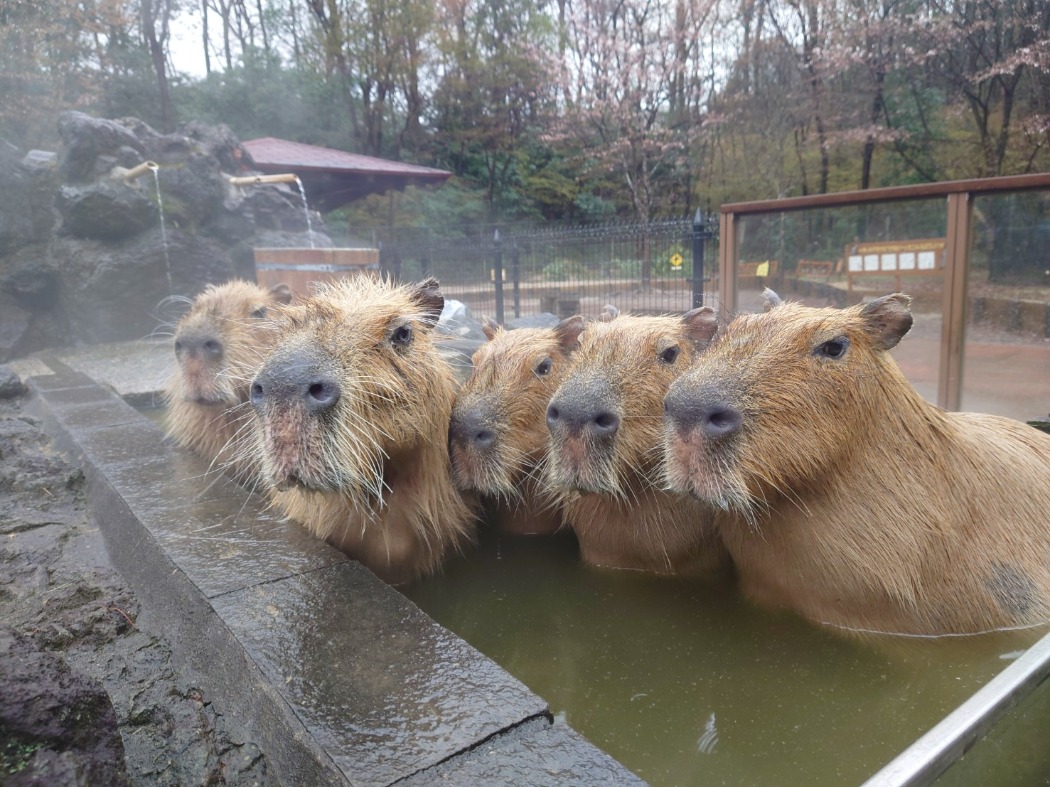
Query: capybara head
x=221 y=340
x=353 y=384
x=497 y=432
x=604 y=419
x=779 y=400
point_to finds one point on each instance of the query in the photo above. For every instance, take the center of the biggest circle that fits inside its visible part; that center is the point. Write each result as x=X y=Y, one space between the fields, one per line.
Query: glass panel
x=843 y=255
x=1015 y=751
x=1006 y=366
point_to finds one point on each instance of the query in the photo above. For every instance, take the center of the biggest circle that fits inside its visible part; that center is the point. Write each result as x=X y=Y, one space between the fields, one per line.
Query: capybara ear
x=281 y=293
x=489 y=327
x=772 y=299
x=887 y=319
x=568 y=332
x=609 y=312
x=701 y=325
x=428 y=295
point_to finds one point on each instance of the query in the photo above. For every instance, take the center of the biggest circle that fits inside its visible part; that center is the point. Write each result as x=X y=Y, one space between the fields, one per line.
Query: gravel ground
x=88 y=693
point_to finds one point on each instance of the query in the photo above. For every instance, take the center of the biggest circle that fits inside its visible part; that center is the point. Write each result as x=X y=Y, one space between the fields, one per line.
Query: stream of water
x=163 y=229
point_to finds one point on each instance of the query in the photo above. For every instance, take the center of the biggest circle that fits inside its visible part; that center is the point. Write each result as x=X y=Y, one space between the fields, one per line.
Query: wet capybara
x=351 y=422
x=498 y=432
x=845 y=495
x=604 y=461
x=219 y=344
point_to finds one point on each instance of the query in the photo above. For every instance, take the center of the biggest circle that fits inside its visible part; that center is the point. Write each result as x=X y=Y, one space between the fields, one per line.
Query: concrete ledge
x=340 y=678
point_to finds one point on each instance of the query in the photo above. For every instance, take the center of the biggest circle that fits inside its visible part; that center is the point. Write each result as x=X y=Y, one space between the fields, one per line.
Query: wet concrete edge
x=529 y=749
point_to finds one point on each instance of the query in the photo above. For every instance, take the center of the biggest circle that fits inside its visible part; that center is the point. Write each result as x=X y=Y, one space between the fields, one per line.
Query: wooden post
x=953 y=325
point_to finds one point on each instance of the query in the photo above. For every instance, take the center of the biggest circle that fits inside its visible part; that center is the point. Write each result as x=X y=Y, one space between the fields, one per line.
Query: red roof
x=270 y=153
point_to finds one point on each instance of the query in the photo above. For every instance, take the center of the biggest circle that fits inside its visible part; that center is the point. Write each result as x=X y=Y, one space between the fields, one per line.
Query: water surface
x=686 y=682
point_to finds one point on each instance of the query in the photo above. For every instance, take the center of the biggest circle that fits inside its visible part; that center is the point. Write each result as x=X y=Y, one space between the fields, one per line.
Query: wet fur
x=849 y=498
x=207 y=399
x=372 y=476
x=614 y=497
x=506 y=394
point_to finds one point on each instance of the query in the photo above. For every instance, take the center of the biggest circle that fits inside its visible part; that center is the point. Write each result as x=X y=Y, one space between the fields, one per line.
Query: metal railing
x=512 y=271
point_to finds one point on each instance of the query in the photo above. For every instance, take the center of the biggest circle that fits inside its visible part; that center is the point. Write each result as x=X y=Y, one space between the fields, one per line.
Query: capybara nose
x=198 y=345
x=470 y=428
x=577 y=417
x=714 y=420
x=296 y=379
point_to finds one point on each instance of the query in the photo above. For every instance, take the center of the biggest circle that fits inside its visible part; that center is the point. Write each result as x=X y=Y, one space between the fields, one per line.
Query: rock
x=110 y=209
x=456 y=320
x=10 y=383
x=85 y=138
x=58 y=725
x=25 y=200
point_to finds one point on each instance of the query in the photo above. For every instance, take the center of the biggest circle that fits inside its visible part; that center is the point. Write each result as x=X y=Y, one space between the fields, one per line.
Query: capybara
x=604 y=461
x=219 y=344
x=846 y=496
x=352 y=409
x=498 y=433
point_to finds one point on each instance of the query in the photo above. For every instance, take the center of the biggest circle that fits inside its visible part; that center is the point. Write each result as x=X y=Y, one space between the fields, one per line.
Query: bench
x=821 y=268
x=894 y=258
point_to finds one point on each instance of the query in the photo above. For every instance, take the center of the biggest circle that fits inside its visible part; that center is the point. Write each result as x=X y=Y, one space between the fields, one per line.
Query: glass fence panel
x=843 y=255
x=1014 y=752
x=1006 y=365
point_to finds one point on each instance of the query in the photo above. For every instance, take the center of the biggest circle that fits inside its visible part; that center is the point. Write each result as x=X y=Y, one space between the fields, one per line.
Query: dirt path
x=88 y=693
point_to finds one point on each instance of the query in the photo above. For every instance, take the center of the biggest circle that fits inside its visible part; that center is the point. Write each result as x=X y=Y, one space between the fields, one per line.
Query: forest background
x=568 y=110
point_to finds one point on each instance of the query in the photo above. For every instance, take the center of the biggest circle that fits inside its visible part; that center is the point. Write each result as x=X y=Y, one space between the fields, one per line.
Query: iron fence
x=514 y=271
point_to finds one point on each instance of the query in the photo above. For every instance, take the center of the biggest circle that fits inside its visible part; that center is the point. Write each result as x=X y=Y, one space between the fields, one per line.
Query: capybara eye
x=402 y=335
x=835 y=348
x=670 y=355
x=259 y=313
x=544 y=368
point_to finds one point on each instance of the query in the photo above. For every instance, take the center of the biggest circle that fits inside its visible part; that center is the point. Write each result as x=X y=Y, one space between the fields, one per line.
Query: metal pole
x=515 y=275
x=933 y=753
x=497 y=275
x=698 y=259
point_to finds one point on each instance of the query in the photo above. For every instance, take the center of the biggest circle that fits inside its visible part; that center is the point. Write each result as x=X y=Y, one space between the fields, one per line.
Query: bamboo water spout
x=136 y=171
x=255 y=180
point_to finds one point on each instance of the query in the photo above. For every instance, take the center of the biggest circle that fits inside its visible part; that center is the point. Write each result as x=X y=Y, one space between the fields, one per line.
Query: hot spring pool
x=684 y=682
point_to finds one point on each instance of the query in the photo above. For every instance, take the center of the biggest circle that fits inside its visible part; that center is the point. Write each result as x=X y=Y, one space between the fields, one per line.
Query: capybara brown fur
x=219 y=343
x=351 y=422
x=604 y=461
x=498 y=432
x=847 y=497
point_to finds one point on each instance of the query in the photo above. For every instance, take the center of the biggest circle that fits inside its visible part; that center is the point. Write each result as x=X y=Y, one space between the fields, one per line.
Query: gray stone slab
x=384 y=690
x=223 y=550
x=536 y=753
x=132 y=369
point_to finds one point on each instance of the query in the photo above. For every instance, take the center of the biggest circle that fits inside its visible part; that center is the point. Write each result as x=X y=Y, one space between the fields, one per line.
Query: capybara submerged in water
x=846 y=496
x=219 y=344
x=498 y=432
x=604 y=461
x=351 y=425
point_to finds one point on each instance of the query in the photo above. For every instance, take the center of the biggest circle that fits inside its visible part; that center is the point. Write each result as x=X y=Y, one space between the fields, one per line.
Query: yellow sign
x=676 y=261
x=762 y=269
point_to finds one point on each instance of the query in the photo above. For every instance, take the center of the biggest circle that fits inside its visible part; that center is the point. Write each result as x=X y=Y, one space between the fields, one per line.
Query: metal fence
x=513 y=271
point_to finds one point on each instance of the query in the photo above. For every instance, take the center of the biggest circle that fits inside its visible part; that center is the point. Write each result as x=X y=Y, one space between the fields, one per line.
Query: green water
x=684 y=682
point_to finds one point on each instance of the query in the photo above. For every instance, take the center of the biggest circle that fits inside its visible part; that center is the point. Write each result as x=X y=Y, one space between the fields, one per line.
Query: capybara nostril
x=213 y=347
x=484 y=438
x=321 y=394
x=720 y=420
x=605 y=423
x=553 y=416
x=258 y=395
